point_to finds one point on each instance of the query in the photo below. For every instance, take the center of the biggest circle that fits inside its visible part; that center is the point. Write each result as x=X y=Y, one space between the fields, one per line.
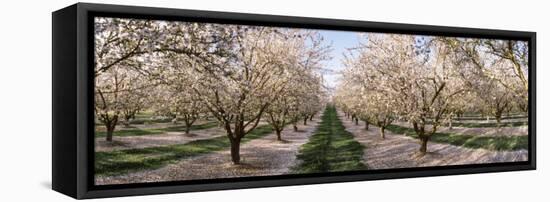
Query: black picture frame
x=72 y=100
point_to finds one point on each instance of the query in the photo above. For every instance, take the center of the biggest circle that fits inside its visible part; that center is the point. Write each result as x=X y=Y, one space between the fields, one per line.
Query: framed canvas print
x=154 y=100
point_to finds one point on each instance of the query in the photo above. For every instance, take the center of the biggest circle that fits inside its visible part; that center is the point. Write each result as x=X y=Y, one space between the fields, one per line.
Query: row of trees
x=235 y=74
x=429 y=80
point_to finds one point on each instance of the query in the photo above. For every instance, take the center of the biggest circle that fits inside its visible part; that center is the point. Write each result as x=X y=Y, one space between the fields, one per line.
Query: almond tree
x=134 y=100
x=430 y=88
x=514 y=58
x=497 y=99
x=128 y=47
x=291 y=104
x=179 y=103
x=414 y=74
x=494 y=98
x=301 y=98
x=467 y=102
x=502 y=61
x=237 y=89
x=366 y=81
x=308 y=100
x=295 y=101
x=119 y=91
x=116 y=41
x=176 y=97
x=350 y=98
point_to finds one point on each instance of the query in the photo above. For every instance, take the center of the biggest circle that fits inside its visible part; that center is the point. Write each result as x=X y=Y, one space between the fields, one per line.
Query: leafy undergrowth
x=505 y=143
x=154 y=131
x=125 y=161
x=331 y=148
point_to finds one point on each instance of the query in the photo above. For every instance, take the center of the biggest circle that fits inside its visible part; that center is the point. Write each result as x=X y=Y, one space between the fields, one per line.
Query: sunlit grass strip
x=154 y=131
x=330 y=149
x=125 y=161
x=505 y=143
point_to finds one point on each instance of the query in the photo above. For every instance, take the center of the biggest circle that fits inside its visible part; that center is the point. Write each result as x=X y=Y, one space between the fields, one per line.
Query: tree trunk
x=366 y=125
x=383 y=132
x=451 y=124
x=356 y=121
x=127 y=121
x=278 y=132
x=498 y=118
x=311 y=117
x=424 y=144
x=235 y=151
x=110 y=126
x=187 y=127
x=110 y=134
x=305 y=121
x=295 y=127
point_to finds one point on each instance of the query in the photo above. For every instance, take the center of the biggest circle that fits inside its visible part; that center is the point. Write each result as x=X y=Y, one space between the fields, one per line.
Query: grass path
x=331 y=148
x=504 y=143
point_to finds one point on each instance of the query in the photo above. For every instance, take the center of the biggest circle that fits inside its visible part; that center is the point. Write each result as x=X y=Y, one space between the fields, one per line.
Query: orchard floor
x=156 y=140
x=144 y=141
x=400 y=151
x=488 y=131
x=150 y=125
x=259 y=157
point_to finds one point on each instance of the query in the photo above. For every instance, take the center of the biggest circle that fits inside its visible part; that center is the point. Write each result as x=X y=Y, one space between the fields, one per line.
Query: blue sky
x=340 y=41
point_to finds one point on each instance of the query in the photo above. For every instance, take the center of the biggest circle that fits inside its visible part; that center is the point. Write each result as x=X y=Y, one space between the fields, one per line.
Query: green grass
x=330 y=149
x=125 y=161
x=144 y=115
x=507 y=143
x=154 y=131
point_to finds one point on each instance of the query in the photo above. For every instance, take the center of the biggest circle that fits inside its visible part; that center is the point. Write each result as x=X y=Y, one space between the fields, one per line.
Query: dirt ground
x=399 y=151
x=259 y=157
